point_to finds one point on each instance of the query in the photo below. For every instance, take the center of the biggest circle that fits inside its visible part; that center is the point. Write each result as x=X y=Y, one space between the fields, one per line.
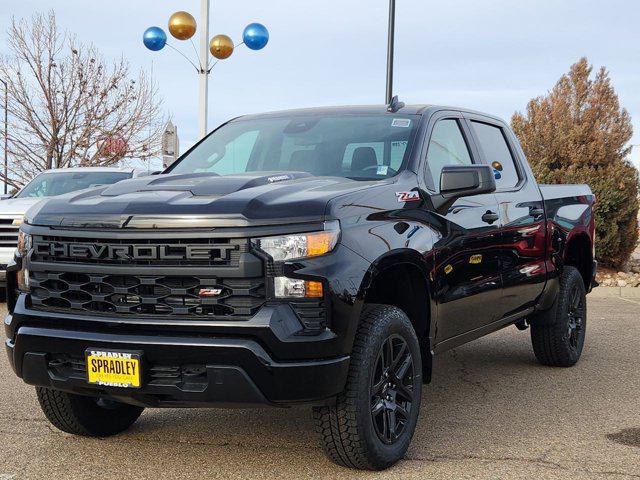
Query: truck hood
x=234 y=200
x=17 y=207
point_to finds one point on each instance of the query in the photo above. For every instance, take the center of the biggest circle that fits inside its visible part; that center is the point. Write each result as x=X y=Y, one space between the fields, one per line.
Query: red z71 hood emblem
x=408 y=196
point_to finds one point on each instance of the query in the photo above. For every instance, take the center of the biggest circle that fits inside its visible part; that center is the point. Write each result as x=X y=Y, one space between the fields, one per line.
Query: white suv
x=49 y=183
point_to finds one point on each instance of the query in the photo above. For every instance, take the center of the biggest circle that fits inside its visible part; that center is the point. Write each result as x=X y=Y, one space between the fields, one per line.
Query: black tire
x=86 y=416
x=352 y=431
x=558 y=335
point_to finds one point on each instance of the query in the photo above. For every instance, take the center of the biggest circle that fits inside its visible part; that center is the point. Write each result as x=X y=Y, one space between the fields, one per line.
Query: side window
x=235 y=156
x=497 y=153
x=446 y=147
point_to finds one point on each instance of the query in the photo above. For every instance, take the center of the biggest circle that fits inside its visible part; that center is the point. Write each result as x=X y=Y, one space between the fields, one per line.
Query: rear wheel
x=558 y=335
x=86 y=416
x=372 y=421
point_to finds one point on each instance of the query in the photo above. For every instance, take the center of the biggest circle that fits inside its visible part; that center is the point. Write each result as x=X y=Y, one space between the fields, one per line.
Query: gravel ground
x=491 y=412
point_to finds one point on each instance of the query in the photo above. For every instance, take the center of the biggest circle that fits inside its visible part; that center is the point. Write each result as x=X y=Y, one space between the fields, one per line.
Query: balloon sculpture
x=154 y=38
x=255 y=36
x=182 y=26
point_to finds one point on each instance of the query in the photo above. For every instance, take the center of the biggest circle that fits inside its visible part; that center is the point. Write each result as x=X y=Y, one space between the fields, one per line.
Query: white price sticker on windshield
x=401 y=122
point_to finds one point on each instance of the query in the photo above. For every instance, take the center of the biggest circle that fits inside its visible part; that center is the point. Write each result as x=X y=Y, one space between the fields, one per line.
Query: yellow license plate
x=113 y=369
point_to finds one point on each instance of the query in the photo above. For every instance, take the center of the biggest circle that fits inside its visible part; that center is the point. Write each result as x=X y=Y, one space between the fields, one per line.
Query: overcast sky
x=490 y=55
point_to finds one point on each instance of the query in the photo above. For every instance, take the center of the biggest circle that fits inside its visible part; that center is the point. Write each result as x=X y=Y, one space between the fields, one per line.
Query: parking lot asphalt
x=491 y=412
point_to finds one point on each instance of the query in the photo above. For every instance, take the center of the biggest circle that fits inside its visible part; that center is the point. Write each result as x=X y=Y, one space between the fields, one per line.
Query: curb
x=607 y=292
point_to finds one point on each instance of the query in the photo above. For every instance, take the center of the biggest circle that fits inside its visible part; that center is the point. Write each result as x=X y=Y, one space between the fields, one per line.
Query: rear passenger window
x=446 y=147
x=495 y=148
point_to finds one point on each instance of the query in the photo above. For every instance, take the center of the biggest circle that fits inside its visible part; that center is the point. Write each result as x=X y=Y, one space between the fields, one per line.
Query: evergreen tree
x=578 y=133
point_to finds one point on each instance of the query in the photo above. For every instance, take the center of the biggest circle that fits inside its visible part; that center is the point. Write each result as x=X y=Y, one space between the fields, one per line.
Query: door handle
x=490 y=217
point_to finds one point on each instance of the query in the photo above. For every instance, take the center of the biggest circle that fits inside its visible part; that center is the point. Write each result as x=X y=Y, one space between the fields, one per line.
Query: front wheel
x=86 y=416
x=558 y=335
x=372 y=421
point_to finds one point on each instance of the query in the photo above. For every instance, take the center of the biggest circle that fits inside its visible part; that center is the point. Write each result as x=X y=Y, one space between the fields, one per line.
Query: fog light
x=296 y=288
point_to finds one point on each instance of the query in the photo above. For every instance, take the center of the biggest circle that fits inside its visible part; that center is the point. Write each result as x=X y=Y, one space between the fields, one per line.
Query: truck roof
x=415 y=109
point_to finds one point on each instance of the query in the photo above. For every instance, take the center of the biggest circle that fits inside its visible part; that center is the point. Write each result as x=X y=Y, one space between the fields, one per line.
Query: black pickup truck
x=319 y=257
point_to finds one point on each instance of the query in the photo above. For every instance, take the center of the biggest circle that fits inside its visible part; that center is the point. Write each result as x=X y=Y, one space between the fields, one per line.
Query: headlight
x=24 y=243
x=304 y=245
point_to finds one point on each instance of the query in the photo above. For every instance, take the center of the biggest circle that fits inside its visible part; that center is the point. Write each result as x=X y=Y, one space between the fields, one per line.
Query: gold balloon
x=182 y=25
x=221 y=47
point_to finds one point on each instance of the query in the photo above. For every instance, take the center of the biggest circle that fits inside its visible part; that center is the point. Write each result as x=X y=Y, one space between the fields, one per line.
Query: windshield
x=58 y=183
x=362 y=147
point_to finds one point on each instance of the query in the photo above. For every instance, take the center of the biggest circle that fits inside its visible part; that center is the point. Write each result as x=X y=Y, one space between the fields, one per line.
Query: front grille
x=8 y=233
x=145 y=295
x=170 y=252
x=193 y=377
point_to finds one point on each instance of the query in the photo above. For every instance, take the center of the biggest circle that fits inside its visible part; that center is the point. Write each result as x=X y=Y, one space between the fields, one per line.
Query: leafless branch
x=70 y=107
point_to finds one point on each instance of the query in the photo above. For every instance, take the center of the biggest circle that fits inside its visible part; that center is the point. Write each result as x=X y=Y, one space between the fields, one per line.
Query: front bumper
x=180 y=369
x=221 y=372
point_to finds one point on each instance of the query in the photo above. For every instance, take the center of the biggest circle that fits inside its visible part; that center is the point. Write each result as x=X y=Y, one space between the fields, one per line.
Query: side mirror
x=463 y=181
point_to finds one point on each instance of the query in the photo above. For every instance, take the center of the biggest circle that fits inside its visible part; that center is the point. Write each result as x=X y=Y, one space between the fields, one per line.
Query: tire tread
x=78 y=415
x=337 y=425
x=548 y=333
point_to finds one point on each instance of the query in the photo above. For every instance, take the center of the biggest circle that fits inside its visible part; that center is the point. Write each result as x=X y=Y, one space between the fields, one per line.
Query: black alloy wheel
x=392 y=389
x=576 y=317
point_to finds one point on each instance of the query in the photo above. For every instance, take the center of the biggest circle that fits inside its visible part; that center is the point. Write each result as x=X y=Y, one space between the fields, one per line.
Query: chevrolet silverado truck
x=46 y=184
x=319 y=257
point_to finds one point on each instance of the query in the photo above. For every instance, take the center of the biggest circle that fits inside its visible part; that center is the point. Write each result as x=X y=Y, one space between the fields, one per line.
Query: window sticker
x=382 y=170
x=401 y=122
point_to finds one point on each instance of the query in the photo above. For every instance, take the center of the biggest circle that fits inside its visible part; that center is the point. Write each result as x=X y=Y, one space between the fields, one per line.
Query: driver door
x=467 y=280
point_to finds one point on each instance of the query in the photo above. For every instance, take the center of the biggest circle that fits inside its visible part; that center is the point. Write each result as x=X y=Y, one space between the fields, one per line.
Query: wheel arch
x=401 y=278
x=579 y=254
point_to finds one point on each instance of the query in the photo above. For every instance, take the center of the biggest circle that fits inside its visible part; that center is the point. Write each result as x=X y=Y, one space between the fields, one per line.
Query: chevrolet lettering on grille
x=133 y=252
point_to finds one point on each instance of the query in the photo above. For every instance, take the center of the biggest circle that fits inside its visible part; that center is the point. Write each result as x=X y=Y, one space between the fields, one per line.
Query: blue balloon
x=154 y=38
x=255 y=36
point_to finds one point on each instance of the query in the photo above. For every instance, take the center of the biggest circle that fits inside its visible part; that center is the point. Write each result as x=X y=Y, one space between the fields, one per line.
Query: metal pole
x=6 y=131
x=204 y=59
x=390 y=45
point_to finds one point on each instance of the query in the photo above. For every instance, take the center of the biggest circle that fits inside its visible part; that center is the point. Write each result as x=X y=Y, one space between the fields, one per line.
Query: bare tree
x=69 y=107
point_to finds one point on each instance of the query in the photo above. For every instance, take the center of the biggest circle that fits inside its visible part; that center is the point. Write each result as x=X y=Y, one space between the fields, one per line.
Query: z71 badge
x=412 y=196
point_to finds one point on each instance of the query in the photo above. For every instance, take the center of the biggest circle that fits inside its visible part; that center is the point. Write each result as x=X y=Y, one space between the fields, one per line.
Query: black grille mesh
x=146 y=295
